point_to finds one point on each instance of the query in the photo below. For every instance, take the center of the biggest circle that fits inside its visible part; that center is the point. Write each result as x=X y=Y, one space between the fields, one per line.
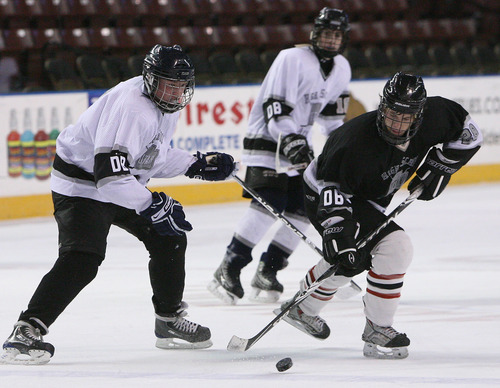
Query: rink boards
x=216 y=121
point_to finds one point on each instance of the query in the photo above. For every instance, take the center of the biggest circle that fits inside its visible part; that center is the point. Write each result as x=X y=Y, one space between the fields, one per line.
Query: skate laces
x=30 y=332
x=315 y=321
x=389 y=331
x=184 y=325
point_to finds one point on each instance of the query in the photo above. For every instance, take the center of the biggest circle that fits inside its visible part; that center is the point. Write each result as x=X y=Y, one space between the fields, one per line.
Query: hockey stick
x=346 y=292
x=239 y=344
x=281 y=170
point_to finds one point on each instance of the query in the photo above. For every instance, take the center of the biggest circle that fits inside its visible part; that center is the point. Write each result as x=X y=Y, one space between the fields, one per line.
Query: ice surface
x=450 y=309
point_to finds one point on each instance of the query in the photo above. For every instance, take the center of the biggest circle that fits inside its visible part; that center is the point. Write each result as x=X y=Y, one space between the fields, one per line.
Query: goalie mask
x=400 y=111
x=168 y=75
x=330 y=33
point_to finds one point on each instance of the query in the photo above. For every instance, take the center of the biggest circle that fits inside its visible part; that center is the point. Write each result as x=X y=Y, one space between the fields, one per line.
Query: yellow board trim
x=206 y=193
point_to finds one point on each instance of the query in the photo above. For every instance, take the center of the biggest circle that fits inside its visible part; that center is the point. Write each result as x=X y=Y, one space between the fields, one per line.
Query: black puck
x=284 y=364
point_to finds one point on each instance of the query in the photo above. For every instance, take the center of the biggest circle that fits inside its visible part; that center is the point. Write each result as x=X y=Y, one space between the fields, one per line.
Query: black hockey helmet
x=403 y=93
x=174 y=65
x=332 y=19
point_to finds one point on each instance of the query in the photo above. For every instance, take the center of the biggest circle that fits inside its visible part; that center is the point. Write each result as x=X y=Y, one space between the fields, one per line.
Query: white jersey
x=117 y=145
x=294 y=95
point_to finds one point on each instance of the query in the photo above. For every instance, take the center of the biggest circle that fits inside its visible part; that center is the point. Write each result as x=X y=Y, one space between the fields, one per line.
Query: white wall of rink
x=216 y=120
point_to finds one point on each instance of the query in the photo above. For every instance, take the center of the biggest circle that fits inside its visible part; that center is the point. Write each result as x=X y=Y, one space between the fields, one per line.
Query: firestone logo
x=218 y=113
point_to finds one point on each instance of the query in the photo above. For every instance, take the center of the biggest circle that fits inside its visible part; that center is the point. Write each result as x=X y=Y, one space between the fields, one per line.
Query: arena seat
x=92 y=72
x=156 y=35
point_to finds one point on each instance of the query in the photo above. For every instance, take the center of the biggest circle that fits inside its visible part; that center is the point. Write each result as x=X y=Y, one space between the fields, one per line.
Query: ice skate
x=173 y=331
x=265 y=286
x=26 y=346
x=384 y=342
x=226 y=284
x=313 y=325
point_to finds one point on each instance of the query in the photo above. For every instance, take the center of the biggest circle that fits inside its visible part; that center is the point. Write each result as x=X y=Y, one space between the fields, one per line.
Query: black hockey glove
x=339 y=244
x=212 y=166
x=434 y=174
x=167 y=216
x=296 y=149
x=340 y=230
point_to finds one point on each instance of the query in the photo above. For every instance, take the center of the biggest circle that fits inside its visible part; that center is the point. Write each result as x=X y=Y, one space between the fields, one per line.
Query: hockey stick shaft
x=240 y=344
x=276 y=214
x=346 y=292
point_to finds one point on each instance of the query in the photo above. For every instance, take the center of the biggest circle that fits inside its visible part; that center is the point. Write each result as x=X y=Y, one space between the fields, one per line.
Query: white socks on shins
x=315 y=302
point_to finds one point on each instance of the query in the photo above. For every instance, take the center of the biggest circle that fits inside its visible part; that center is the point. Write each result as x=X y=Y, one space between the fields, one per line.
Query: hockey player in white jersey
x=99 y=178
x=305 y=84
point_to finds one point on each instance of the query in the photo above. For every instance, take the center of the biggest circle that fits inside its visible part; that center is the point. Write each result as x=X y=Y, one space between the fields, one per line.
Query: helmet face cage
x=405 y=94
x=168 y=75
x=331 y=19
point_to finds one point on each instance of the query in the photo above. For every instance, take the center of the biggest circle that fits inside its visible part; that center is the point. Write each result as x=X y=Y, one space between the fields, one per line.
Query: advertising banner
x=215 y=120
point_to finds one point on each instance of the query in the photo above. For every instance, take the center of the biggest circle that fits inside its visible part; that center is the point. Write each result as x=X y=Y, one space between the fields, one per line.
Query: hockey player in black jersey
x=99 y=177
x=349 y=186
x=305 y=85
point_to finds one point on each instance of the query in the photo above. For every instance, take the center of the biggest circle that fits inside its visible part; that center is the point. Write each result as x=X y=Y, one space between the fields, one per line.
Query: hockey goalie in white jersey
x=305 y=84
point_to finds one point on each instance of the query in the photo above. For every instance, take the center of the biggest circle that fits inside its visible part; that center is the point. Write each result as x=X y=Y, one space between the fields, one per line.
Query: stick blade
x=237 y=344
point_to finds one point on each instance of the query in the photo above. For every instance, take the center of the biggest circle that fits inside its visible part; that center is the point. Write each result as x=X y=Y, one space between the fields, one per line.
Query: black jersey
x=359 y=162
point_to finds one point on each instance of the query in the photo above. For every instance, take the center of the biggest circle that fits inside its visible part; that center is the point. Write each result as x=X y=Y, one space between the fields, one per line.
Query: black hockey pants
x=83 y=229
x=368 y=217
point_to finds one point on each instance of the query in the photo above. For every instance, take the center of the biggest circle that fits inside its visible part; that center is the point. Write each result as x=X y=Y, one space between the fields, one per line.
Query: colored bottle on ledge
x=14 y=147
x=27 y=147
x=42 y=155
x=54 y=133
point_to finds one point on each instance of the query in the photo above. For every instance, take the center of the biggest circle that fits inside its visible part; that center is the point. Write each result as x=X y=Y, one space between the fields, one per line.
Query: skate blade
x=34 y=357
x=177 y=343
x=215 y=288
x=376 y=351
x=263 y=296
x=297 y=325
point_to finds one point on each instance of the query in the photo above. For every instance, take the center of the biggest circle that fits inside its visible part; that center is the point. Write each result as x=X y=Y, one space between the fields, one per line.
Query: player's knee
x=393 y=254
x=79 y=265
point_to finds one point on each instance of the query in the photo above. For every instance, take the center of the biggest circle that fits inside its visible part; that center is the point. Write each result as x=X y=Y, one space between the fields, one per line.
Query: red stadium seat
x=76 y=37
x=232 y=12
x=129 y=37
x=108 y=7
x=44 y=36
x=156 y=35
x=74 y=13
x=270 y=11
x=184 y=36
x=18 y=39
x=301 y=11
x=231 y=37
x=259 y=35
x=419 y=30
x=374 y=32
x=302 y=33
x=280 y=36
x=134 y=8
x=104 y=37
x=464 y=29
x=356 y=35
x=396 y=31
x=394 y=9
x=441 y=29
x=30 y=8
